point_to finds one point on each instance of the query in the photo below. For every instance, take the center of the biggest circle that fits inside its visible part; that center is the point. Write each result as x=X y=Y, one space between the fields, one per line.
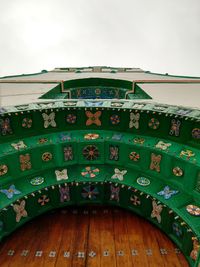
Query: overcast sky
x=156 y=35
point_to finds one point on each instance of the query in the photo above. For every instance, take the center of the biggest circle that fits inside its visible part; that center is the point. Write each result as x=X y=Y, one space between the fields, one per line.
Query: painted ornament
x=22 y=107
x=115 y=119
x=167 y=193
x=155 y=162
x=134 y=120
x=159 y=108
x=20 y=210
x=90 y=192
x=3 y=169
x=195 y=250
x=42 y=140
x=27 y=123
x=157 y=209
x=46 y=105
x=135 y=200
x=177 y=229
x=93 y=103
x=19 y=145
x=25 y=162
x=47 y=156
x=175 y=127
x=61 y=175
x=5 y=126
x=70 y=103
x=65 y=137
x=68 y=153
x=71 y=118
x=10 y=192
x=138 y=106
x=134 y=156
x=93 y=118
x=49 y=120
x=114 y=152
x=90 y=172
x=177 y=171
x=117 y=104
x=143 y=181
x=162 y=145
x=196 y=133
x=43 y=200
x=193 y=210
x=37 y=180
x=182 y=112
x=119 y=174
x=91 y=136
x=117 y=137
x=64 y=194
x=187 y=153
x=154 y=123
x=114 y=193
x=91 y=152
x=139 y=140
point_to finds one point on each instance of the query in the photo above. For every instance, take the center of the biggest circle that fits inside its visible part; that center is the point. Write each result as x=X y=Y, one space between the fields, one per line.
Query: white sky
x=156 y=35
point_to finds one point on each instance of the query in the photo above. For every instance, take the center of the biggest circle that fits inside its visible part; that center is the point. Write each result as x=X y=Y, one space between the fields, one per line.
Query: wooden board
x=92 y=237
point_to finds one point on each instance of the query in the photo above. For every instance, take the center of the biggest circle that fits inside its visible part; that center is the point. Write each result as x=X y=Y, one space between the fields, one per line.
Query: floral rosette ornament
x=143 y=181
x=47 y=156
x=167 y=193
x=42 y=140
x=71 y=118
x=20 y=210
x=93 y=118
x=187 y=153
x=177 y=171
x=3 y=169
x=90 y=172
x=157 y=209
x=91 y=152
x=135 y=200
x=91 y=136
x=37 y=180
x=25 y=162
x=195 y=250
x=114 y=152
x=196 y=133
x=27 y=123
x=139 y=140
x=10 y=192
x=117 y=104
x=68 y=153
x=134 y=156
x=43 y=200
x=193 y=210
x=49 y=120
x=114 y=195
x=90 y=192
x=70 y=103
x=5 y=126
x=115 y=119
x=64 y=194
x=134 y=120
x=154 y=123
x=177 y=229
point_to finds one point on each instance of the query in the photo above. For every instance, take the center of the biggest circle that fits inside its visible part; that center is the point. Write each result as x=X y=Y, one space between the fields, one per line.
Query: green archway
x=80 y=152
